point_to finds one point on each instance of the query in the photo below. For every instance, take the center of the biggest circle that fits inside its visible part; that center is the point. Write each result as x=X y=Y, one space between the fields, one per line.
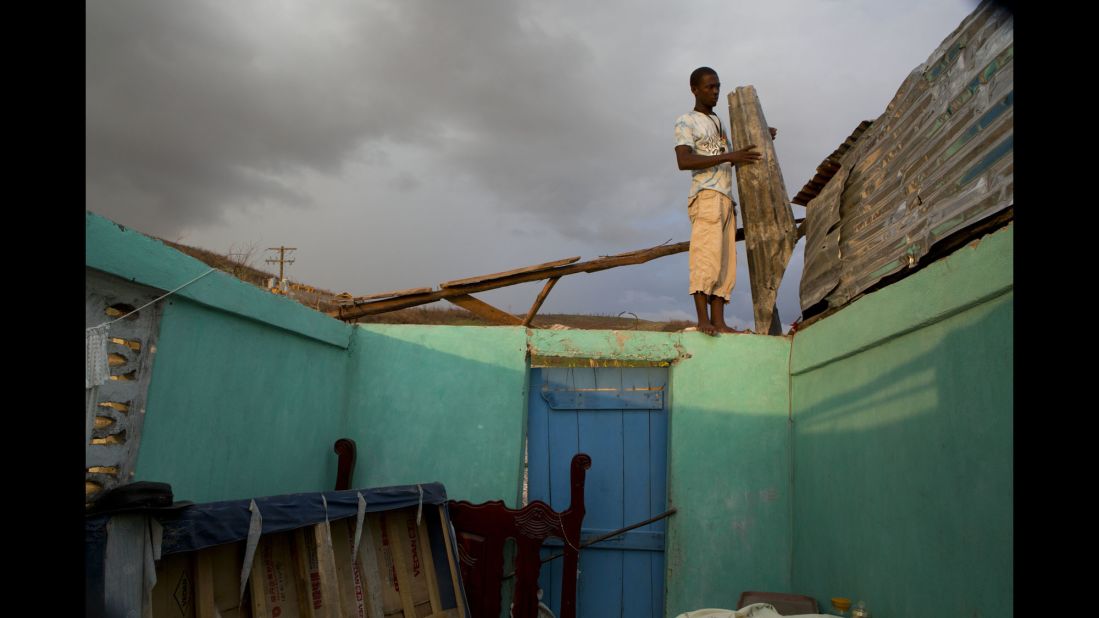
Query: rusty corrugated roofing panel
x=822 y=264
x=829 y=167
x=938 y=160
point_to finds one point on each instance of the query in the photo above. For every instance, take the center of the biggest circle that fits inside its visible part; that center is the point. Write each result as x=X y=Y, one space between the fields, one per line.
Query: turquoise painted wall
x=449 y=404
x=903 y=443
x=728 y=471
x=440 y=403
x=248 y=389
x=113 y=249
x=237 y=408
x=899 y=452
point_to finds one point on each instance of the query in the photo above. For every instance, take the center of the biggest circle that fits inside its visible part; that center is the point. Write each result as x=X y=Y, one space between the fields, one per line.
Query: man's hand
x=747 y=155
x=688 y=160
x=774 y=132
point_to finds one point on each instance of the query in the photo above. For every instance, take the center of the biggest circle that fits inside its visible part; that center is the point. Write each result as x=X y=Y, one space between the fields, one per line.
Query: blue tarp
x=216 y=523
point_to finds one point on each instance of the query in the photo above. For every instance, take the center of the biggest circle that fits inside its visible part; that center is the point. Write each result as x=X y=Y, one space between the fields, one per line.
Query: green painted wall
x=113 y=249
x=237 y=408
x=894 y=483
x=248 y=389
x=422 y=394
x=903 y=443
x=728 y=471
x=440 y=403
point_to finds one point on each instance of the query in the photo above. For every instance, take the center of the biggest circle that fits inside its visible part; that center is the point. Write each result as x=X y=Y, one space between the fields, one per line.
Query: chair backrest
x=345 y=464
x=785 y=603
x=483 y=529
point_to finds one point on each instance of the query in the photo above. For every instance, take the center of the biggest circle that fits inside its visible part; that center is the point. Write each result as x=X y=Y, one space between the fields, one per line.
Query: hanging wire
x=109 y=322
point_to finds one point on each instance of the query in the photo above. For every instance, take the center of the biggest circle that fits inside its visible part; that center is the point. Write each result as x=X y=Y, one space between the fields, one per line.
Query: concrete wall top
x=620 y=345
x=111 y=248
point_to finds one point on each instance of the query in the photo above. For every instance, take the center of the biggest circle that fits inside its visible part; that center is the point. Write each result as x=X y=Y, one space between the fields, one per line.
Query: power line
x=282 y=260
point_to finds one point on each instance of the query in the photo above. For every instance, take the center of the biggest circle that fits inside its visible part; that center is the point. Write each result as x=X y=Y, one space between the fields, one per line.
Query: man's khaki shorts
x=712 y=255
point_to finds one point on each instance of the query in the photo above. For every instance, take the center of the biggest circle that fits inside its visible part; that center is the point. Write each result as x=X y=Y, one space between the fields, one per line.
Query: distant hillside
x=324 y=301
x=239 y=267
x=234 y=266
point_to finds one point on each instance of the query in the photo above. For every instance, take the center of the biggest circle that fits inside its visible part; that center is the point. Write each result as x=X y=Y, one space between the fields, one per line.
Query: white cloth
x=755 y=610
x=96 y=368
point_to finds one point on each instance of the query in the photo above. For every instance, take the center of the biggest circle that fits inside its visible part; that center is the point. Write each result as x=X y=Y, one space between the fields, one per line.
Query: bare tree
x=240 y=259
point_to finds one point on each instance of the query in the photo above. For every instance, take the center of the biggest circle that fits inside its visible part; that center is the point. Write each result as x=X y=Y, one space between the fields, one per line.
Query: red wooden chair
x=482 y=530
x=784 y=603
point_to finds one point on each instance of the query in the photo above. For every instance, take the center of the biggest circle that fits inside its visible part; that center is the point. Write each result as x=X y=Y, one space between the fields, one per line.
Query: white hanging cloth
x=96 y=368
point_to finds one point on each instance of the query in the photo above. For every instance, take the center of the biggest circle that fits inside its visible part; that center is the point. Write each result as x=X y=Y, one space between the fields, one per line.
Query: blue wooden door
x=619 y=417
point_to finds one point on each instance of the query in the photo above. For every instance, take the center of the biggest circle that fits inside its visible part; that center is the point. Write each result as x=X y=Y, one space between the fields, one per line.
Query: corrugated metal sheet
x=938 y=160
x=828 y=168
x=822 y=237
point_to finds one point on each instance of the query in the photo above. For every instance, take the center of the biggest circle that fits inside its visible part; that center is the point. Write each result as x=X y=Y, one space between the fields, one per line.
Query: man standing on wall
x=702 y=146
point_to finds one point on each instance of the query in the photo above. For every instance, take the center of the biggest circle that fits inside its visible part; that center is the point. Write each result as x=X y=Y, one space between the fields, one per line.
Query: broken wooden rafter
x=541 y=299
x=359 y=299
x=507 y=273
x=485 y=310
x=459 y=293
x=423 y=298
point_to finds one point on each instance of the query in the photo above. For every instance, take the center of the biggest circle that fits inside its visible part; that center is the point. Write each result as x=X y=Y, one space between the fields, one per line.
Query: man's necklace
x=717 y=125
x=720 y=132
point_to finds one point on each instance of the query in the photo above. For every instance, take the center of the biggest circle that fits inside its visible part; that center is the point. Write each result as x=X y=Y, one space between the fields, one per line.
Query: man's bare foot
x=719 y=323
x=701 y=306
x=706 y=327
x=717 y=314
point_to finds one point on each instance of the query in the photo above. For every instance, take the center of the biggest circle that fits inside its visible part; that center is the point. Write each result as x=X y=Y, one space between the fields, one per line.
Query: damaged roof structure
x=934 y=170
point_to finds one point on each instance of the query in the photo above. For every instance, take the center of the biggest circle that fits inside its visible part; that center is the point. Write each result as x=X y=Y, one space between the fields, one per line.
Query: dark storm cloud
x=187 y=115
x=194 y=109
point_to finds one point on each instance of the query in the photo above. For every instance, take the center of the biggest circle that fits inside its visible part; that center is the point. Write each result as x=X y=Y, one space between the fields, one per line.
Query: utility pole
x=281 y=261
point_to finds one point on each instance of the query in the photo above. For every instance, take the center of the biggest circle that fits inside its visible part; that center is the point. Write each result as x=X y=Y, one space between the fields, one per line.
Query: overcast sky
x=402 y=143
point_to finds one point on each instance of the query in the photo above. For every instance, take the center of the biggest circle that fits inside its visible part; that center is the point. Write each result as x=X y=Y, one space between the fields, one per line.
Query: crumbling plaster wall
x=115 y=409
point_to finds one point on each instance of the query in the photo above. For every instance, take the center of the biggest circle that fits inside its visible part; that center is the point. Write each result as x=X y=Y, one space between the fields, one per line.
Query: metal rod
x=606 y=536
x=614 y=533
